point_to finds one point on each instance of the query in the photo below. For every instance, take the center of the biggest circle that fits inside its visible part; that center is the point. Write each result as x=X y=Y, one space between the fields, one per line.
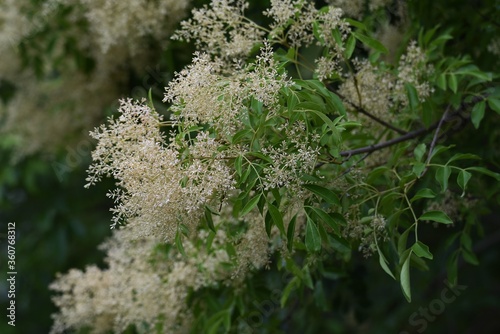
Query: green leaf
x=452 y=82
x=290 y=232
x=464 y=156
x=442 y=176
x=261 y=203
x=320 y=296
x=208 y=219
x=412 y=96
x=477 y=113
x=383 y=263
x=325 y=119
x=349 y=48
x=439 y=149
x=237 y=164
x=419 y=151
x=326 y=218
x=150 y=99
x=419 y=263
x=334 y=102
x=178 y=243
x=419 y=168
x=250 y=205
x=441 y=81
x=452 y=268
x=338 y=38
x=371 y=42
x=423 y=193
x=470 y=257
x=292 y=285
x=421 y=250
x=485 y=172
x=313 y=239
x=466 y=241
x=356 y=24
x=268 y=221
x=405 y=278
x=428 y=113
x=261 y=156
x=326 y=194
x=403 y=241
x=474 y=71
x=494 y=104
x=292 y=101
x=376 y=173
x=292 y=267
x=462 y=179
x=437 y=216
x=307 y=279
x=240 y=135
x=222 y=317
x=277 y=217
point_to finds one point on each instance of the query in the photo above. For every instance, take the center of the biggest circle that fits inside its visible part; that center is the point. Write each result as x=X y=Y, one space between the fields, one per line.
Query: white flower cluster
x=207 y=91
x=146 y=282
x=50 y=111
x=369 y=88
x=47 y=114
x=494 y=46
x=379 y=91
x=368 y=231
x=296 y=19
x=356 y=8
x=413 y=69
x=155 y=184
x=115 y=22
x=297 y=155
x=221 y=29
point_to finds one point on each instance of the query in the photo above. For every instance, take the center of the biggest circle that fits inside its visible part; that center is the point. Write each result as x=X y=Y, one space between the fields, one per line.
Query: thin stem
x=436 y=135
x=363 y=111
x=416 y=133
x=376 y=147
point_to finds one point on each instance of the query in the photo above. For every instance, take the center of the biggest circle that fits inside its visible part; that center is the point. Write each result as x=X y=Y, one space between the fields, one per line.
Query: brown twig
x=416 y=133
x=363 y=111
x=376 y=147
x=435 y=138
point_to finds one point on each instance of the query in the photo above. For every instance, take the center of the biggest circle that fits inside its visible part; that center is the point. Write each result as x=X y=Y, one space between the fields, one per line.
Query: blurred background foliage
x=59 y=223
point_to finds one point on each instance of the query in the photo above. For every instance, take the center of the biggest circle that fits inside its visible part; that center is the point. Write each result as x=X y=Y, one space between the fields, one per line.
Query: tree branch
x=376 y=147
x=436 y=134
x=367 y=114
x=416 y=133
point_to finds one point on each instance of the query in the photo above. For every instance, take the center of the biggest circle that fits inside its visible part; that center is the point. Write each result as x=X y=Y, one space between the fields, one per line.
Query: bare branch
x=363 y=111
x=416 y=133
x=376 y=147
x=436 y=134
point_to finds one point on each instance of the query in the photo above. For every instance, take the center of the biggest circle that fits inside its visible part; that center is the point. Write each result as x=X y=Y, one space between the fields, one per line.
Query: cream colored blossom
x=207 y=92
x=368 y=231
x=221 y=29
x=154 y=184
x=115 y=22
x=146 y=284
x=51 y=112
x=379 y=90
x=294 y=157
x=494 y=46
x=356 y=8
x=294 y=22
